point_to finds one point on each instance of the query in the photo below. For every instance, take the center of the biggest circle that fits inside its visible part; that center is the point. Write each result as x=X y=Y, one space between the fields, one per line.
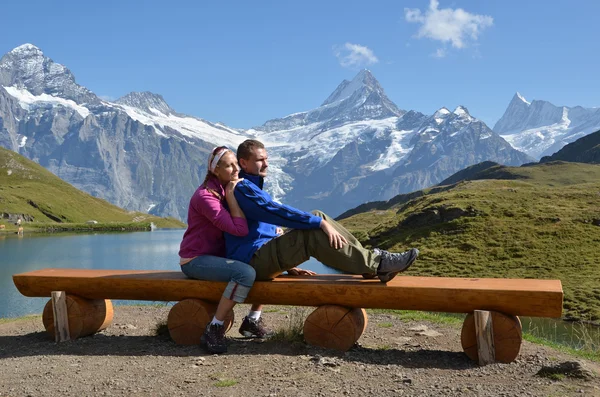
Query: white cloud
x=440 y=53
x=447 y=25
x=354 y=55
x=107 y=98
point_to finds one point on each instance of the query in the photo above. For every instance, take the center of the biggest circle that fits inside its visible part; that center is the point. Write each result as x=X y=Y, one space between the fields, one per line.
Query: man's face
x=257 y=164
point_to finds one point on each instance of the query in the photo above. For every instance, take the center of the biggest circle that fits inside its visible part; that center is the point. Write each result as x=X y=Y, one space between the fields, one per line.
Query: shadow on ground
x=39 y=344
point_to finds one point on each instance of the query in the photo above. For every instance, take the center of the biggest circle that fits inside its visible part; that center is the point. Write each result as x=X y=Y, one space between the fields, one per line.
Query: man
x=316 y=234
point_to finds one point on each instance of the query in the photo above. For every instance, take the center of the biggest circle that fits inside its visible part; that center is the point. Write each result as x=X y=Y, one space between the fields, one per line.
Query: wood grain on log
x=335 y=327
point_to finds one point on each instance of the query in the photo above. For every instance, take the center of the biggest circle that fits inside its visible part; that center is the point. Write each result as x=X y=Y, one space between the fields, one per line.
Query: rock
x=419 y=328
x=430 y=332
x=571 y=369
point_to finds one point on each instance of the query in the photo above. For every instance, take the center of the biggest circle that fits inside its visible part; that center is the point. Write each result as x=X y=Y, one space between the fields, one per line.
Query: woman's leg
x=213 y=268
x=241 y=278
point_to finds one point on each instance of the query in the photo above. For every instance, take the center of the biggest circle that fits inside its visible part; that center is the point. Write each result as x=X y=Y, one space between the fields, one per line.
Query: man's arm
x=257 y=205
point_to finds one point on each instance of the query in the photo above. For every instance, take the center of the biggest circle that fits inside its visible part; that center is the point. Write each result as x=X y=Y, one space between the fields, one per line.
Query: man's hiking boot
x=251 y=328
x=394 y=263
x=214 y=339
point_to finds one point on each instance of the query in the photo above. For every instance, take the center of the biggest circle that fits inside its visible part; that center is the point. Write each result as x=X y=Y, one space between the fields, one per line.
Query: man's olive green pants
x=297 y=246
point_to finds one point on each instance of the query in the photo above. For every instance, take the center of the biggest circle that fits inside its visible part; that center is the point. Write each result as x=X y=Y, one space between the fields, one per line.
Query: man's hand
x=231 y=186
x=296 y=271
x=336 y=240
x=278 y=231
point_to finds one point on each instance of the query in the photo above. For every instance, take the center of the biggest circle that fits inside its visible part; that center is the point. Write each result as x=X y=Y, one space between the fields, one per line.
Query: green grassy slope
x=538 y=221
x=28 y=188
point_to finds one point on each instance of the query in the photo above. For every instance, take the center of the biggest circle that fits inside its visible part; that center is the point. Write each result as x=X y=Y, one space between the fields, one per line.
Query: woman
x=202 y=250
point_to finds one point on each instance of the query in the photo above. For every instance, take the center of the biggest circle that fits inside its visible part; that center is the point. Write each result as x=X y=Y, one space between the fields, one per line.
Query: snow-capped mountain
x=539 y=128
x=368 y=149
x=139 y=153
x=27 y=68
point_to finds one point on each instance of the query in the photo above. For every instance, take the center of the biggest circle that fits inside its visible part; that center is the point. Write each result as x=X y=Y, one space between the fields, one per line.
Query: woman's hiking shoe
x=251 y=328
x=394 y=263
x=214 y=339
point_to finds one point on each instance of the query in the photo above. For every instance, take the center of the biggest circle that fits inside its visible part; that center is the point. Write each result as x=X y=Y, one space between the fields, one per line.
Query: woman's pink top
x=207 y=220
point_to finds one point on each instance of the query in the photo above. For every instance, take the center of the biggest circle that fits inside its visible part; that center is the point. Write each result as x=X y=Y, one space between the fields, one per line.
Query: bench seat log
x=518 y=297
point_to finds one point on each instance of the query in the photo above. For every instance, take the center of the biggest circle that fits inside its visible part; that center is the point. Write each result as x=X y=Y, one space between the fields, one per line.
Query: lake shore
x=395 y=356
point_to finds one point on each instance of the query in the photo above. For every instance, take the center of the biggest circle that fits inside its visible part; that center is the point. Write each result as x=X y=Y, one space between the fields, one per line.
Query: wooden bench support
x=335 y=327
x=61 y=320
x=485 y=337
x=187 y=320
x=84 y=316
x=504 y=336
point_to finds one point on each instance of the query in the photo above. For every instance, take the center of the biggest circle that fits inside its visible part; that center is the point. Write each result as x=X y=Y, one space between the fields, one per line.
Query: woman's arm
x=214 y=210
x=234 y=207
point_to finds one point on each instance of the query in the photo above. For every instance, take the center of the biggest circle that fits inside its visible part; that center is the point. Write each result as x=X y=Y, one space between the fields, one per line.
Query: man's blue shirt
x=263 y=216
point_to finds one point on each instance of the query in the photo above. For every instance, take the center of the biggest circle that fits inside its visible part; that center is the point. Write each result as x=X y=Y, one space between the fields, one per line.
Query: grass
x=226 y=383
x=534 y=222
x=161 y=328
x=293 y=330
x=592 y=355
x=385 y=325
x=28 y=188
x=27 y=317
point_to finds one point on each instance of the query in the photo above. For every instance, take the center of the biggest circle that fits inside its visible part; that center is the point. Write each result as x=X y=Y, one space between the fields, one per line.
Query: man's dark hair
x=245 y=149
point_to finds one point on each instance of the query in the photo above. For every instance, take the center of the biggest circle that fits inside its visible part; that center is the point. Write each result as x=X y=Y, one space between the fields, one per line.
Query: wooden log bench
x=491 y=331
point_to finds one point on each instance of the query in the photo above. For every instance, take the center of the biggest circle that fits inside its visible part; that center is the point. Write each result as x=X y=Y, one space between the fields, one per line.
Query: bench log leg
x=335 y=327
x=61 y=320
x=188 y=318
x=507 y=337
x=84 y=316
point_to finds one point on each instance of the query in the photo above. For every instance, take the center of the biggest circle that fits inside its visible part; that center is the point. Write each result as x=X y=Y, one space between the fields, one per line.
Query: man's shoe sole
x=248 y=334
x=216 y=349
x=385 y=277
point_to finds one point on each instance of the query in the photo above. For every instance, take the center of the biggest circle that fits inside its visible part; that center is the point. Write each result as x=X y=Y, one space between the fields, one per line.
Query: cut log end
x=507 y=337
x=335 y=327
x=85 y=316
x=188 y=319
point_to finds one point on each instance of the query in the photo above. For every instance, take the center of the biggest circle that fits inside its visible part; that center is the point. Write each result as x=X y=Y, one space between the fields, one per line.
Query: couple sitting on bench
x=232 y=237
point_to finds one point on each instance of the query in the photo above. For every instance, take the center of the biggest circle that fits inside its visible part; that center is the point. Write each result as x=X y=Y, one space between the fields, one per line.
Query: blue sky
x=244 y=62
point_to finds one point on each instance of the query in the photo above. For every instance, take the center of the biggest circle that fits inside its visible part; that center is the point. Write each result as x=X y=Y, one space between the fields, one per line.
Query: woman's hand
x=336 y=240
x=296 y=271
x=231 y=186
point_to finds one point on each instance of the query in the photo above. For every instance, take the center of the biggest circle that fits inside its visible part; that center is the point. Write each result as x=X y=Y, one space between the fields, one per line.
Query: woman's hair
x=210 y=174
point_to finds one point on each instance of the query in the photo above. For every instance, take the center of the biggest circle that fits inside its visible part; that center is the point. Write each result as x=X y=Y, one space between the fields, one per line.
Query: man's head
x=252 y=157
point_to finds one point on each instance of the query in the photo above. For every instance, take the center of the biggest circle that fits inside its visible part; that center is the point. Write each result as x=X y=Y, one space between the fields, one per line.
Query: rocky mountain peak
x=461 y=111
x=147 y=101
x=363 y=81
x=515 y=116
x=26 y=66
x=518 y=97
x=27 y=49
x=441 y=114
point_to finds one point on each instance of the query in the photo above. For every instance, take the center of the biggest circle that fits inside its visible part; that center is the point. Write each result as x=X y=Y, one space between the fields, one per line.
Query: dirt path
x=392 y=359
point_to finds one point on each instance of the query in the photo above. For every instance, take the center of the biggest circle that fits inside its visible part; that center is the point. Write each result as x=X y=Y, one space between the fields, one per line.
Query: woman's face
x=227 y=169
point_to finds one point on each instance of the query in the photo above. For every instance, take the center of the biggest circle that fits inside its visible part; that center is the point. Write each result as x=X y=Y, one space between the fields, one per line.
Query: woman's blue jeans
x=214 y=268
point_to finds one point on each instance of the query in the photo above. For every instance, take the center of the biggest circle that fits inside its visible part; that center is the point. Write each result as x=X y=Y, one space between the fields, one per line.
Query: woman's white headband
x=213 y=160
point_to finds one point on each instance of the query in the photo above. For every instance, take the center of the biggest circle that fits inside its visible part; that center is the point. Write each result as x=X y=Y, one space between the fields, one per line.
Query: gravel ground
x=392 y=358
